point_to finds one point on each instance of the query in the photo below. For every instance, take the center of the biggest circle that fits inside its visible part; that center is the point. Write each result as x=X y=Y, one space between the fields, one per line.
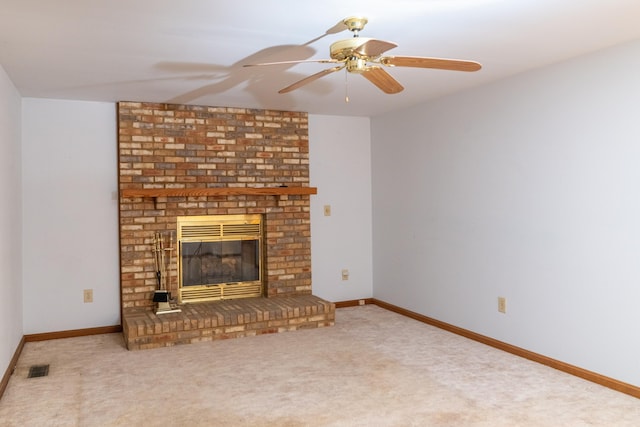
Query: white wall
x=10 y=222
x=340 y=166
x=70 y=215
x=527 y=189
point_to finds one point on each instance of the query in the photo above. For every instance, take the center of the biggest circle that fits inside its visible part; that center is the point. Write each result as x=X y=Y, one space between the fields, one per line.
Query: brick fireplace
x=179 y=161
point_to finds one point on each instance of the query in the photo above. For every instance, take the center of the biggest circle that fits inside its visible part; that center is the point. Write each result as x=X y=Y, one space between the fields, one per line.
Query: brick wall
x=182 y=146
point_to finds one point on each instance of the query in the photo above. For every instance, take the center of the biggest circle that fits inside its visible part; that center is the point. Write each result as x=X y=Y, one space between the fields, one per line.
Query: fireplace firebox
x=219 y=257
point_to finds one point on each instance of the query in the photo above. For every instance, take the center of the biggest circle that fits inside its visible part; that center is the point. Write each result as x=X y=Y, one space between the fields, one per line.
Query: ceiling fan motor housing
x=345 y=49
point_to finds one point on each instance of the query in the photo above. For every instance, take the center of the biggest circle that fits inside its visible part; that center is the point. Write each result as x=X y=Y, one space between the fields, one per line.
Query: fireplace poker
x=163 y=272
x=155 y=258
x=168 y=268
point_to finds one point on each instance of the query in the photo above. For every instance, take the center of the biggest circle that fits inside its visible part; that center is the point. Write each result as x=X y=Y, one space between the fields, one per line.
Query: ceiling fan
x=363 y=55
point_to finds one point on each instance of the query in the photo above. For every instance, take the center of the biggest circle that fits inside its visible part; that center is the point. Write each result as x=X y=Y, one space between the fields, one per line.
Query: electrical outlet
x=88 y=295
x=502 y=304
x=345 y=274
x=327 y=210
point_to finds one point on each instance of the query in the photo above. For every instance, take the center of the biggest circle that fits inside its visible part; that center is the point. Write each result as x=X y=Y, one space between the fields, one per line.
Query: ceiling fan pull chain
x=346 y=86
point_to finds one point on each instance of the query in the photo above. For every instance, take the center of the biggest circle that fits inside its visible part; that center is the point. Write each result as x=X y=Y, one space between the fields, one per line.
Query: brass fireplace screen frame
x=219 y=228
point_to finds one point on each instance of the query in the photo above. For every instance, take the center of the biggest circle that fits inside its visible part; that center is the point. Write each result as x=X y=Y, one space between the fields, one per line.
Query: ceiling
x=192 y=51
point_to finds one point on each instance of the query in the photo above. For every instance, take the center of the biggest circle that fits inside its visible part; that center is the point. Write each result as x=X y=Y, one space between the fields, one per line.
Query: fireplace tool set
x=162 y=261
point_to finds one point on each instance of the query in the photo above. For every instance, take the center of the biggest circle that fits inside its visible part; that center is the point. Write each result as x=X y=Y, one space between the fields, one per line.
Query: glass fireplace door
x=214 y=263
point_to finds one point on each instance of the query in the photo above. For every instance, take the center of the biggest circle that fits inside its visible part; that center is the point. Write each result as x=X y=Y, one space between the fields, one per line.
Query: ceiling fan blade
x=439 y=63
x=372 y=48
x=301 y=61
x=339 y=27
x=311 y=78
x=383 y=80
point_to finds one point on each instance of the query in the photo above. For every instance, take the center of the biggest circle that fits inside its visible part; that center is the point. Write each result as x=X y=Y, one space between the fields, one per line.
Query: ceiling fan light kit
x=363 y=55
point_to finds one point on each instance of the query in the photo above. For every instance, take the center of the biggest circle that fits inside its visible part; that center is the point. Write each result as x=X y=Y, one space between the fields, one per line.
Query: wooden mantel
x=221 y=191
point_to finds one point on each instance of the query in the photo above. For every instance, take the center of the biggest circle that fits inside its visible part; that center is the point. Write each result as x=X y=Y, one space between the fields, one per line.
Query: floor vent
x=38 y=371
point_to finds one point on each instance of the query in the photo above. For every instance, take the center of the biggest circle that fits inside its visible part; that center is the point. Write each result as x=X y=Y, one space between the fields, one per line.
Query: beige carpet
x=374 y=368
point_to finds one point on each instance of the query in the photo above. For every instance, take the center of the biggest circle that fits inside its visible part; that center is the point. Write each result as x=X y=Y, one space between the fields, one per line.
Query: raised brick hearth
x=178 y=147
x=208 y=321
